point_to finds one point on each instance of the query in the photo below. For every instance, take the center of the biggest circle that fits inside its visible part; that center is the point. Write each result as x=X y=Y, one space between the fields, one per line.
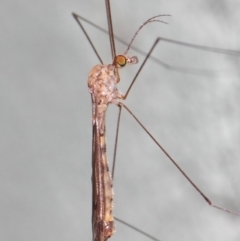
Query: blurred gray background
x=45 y=123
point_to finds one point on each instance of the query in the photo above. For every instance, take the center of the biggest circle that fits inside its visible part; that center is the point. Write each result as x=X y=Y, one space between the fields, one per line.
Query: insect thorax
x=102 y=81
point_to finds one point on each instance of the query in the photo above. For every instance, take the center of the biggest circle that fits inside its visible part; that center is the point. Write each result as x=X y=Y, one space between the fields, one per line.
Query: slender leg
x=204 y=48
x=177 y=166
x=77 y=18
x=116 y=141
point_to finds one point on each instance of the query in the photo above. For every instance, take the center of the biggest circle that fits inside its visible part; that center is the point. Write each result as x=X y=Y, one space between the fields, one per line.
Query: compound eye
x=121 y=60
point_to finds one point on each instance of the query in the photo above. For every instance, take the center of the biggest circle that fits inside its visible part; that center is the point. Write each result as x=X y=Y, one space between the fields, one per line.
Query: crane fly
x=102 y=83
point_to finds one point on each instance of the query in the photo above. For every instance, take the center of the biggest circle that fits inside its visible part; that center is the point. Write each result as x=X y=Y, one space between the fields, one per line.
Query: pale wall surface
x=45 y=124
